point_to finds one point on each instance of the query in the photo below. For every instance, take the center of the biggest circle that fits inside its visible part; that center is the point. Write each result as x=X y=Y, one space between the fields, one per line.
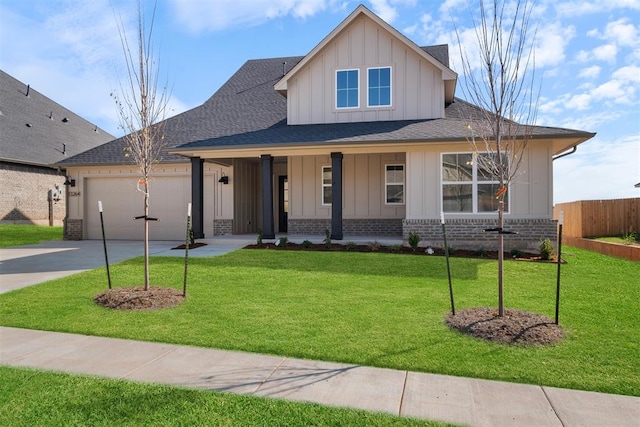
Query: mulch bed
x=136 y=298
x=515 y=327
x=375 y=247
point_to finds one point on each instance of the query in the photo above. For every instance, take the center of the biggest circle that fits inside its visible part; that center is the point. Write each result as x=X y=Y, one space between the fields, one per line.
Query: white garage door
x=122 y=202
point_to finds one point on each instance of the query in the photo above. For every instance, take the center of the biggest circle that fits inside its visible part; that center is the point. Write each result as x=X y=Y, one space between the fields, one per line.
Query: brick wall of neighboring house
x=470 y=234
x=24 y=196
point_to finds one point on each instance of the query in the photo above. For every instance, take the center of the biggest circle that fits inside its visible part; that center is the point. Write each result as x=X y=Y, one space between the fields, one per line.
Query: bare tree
x=501 y=81
x=142 y=108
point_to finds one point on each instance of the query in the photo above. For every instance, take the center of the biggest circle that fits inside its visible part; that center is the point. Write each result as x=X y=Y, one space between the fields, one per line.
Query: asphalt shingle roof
x=33 y=128
x=247 y=111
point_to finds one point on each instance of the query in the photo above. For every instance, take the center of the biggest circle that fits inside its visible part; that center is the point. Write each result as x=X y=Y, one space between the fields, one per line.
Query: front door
x=283 y=203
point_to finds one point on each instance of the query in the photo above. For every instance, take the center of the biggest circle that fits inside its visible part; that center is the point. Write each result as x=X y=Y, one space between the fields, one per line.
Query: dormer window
x=379 y=87
x=347 y=92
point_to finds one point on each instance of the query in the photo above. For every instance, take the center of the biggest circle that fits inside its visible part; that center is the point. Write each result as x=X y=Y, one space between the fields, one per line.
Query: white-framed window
x=379 y=87
x=394 y=184
x=326 y=186
x=348 y=88
x=468 y=185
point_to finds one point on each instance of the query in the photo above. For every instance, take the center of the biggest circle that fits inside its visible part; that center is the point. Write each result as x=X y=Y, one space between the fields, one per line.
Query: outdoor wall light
x=224 y=179
x=70 y=182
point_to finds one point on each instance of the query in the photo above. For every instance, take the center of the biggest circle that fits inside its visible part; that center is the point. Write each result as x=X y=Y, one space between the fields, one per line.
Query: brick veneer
x=470 y=234
x=24 y=194
x=222 y=227
x=350 y=227
x=73 y=229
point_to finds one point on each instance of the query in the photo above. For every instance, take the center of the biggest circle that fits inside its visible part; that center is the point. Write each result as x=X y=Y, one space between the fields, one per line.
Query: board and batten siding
x=363 y=187
x=170 y=192
x=417 y=85
x=531 y=191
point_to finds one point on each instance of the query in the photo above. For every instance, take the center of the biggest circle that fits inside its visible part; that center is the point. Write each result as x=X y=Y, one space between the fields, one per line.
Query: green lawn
x=372 y=309
x=20 y=235
x=31 y=398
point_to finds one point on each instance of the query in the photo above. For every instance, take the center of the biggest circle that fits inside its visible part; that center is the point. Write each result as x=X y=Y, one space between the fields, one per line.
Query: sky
x=587 y=60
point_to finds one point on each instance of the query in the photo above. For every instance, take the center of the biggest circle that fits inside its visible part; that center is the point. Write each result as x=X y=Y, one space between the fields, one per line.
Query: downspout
x=568 y=153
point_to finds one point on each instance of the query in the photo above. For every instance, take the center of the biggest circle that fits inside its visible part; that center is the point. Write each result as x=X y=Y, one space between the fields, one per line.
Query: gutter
x=568 y=153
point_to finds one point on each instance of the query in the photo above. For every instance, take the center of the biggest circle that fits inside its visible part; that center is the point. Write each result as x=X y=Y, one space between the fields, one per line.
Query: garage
x=121 y=201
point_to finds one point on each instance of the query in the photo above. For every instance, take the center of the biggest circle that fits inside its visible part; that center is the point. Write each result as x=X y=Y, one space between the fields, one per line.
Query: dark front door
x=283 y=203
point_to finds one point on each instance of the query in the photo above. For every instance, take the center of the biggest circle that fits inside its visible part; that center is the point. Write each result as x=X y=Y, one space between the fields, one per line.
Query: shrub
x=374 y=246
x=259 y=239
x=630 y=238
x=482 y=252
x=397 y=248
x=546 y=249
x=306 y=244
x=327 y=238
x=414 y=239
x=351 y=246
x=283 y=241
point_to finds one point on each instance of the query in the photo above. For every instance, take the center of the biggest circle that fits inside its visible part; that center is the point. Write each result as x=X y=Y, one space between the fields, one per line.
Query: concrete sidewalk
x=427 y=396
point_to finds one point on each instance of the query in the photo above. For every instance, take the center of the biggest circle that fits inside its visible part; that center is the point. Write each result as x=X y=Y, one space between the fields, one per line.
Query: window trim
x=335 y=92
x=323 y=185
x=390 y=87
x=474 y=186
x=386 y=185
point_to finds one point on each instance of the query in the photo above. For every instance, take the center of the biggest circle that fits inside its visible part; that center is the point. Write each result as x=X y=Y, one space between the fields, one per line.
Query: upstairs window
x=468 y=185
x=326 y=185
x=394 y=184
x=379 y=87
x=347 y=93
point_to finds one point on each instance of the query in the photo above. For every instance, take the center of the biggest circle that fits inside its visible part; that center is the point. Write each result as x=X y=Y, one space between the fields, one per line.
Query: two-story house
x=362 y=136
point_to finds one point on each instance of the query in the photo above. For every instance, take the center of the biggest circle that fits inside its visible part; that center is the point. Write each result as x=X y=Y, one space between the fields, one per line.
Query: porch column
x=197 y=197
x=336 y=196
x=267 y=197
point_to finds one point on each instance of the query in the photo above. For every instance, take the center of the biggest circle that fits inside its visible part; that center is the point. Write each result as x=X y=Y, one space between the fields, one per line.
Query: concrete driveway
x=29 y=265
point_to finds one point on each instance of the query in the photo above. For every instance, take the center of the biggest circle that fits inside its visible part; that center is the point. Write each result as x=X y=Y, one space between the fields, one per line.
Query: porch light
x=70 y=182
x=224 y=179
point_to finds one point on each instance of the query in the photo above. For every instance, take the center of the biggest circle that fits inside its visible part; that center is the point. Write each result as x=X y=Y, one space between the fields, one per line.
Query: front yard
x=374 y=309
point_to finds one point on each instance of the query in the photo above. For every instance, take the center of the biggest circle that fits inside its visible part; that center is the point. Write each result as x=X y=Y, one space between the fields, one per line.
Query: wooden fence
x=599 y=218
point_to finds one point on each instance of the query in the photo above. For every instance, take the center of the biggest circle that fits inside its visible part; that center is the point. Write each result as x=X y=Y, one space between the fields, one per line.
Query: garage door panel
x=121 y=202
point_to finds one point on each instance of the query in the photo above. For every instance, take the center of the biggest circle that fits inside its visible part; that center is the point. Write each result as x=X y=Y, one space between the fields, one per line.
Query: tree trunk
x=500 y=256
x=146 y=237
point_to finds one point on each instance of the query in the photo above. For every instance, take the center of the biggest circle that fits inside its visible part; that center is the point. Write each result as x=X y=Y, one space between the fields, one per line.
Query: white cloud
x=551 y=42
x=606 y=52
x=600 y=169
x=590 y=72
x=621 y=32
x=384 y=10
x=630 y=74
x=579 y=8
x=200 y=16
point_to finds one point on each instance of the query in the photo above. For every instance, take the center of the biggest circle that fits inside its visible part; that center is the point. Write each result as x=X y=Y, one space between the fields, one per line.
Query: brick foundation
x=470 y=234
x=73 y=229
x=350 y=227
x=222 y=227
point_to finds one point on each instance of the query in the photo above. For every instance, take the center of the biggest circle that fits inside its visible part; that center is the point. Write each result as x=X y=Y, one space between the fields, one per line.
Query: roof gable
x=448 y=75
x=35 y=130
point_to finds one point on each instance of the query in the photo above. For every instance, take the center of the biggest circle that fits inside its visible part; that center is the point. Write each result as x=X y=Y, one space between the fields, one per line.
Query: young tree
x=142 y=108
x=501 y=81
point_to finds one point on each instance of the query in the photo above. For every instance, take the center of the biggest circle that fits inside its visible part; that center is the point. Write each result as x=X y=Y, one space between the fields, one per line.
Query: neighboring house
x=362 y=136
x=35 y=132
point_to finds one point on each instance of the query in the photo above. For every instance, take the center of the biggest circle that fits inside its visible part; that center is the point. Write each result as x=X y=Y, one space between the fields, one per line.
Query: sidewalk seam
x=546 y=396
x=404 y=389
x=273 y=371
x=150 y=362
